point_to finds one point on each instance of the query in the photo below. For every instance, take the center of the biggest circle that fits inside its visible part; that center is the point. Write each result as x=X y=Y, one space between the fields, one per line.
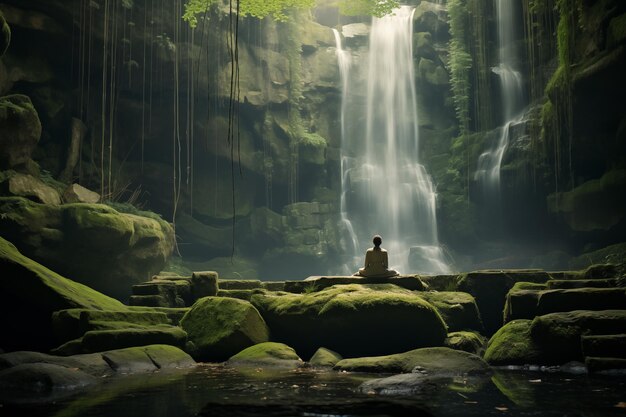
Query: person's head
x=377 y=241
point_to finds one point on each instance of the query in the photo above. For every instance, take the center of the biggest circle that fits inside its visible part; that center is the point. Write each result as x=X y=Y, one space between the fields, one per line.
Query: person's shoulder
x=383 y=250
x=371 y=250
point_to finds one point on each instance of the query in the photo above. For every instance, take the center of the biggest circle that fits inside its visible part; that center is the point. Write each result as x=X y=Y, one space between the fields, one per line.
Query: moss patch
x=429 y=360
x=512 y=345
x=325 y=358
x=218 y=327
x=31 y=293
x=354 y=320
x=458 y=309
x=267 y=354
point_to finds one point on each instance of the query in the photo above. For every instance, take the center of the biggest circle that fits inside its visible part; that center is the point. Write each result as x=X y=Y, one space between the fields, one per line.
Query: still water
x=213 y=390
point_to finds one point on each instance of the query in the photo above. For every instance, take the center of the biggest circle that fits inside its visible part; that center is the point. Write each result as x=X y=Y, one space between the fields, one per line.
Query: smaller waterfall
x=343 y=59
x=511 y=88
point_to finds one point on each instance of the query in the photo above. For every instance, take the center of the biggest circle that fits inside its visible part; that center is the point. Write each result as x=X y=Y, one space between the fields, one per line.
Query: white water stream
x=384 y=188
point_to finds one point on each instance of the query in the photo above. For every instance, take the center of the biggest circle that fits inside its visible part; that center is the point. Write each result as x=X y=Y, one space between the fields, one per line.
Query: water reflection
x=213 y=390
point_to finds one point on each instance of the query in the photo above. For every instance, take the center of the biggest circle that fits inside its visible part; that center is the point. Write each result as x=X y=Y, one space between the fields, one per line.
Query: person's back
x=376 y=262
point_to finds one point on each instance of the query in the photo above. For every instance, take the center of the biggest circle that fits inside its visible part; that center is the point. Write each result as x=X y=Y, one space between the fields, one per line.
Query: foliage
x=257 y=8
x=378 y=8
x=460 y=62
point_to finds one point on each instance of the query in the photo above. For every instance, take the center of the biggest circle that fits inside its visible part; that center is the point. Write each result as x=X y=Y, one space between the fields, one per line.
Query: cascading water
x=490 y=162
x=385 y=190
x=343 y=59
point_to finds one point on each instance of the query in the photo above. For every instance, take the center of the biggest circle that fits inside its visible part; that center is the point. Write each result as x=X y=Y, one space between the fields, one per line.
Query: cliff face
x=155 y=99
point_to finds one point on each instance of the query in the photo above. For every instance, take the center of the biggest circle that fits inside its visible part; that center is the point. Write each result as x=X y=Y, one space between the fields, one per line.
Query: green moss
x=312 y=148
x=101 y=340
x=431 y=360
x=512 y=345
x=471 y=342
x=559 y=334
x=267 y=354
x=221 y=327
x=353 y=320
x=100 y=223
x=537 y=286
x=458 y=309
x=325 y=358
x=553 y=301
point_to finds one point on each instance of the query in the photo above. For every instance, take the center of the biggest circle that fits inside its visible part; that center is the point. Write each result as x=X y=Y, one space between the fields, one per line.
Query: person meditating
x=376 y=262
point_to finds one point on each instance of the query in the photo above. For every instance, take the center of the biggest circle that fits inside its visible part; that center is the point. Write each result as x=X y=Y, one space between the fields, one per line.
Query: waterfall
x=385 y=189
x=490 y=162
x=343 y=59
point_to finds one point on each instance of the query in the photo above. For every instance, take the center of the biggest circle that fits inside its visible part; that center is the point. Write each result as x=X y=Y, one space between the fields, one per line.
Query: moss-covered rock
x=204 y=284
x=471 y=342
x=325 y=358
x=354 y=320
x=553 y=301
x=512 y=345
x=558 y=335
x=110 y=339
x=268 y=354
x=458 y=309
x=567 y=284
x=43 y=378
x=31 y=293
x=521 y=301
x=318 y=283
x=490 y=288
x=23 y=185
x=608 y=346
x=595 y=205
x=74 y=323
x=437 y=360
x=76 y=193
x=239 y=284
x=239 y=294
x=218 y=327
x=91 y=243
x=20 y=130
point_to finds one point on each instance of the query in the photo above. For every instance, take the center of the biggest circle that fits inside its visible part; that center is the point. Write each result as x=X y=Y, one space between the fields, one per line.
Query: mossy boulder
x=437 y=360
x=471 y=342
x=31 y=293
x=42 y=378
x=20 y=130
x=354 y=320
x=521 y=301
x=74 y=323
x=512 y=345
x=458 y=309
x=596 y=205
x=490 y=288
x=110 y=339
x=90 y=243
x=325 y=358
x=558 y=335
x=268 y=354
x=218 y=328
x=24 y=185
x=204 y=284
x=551 y=339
